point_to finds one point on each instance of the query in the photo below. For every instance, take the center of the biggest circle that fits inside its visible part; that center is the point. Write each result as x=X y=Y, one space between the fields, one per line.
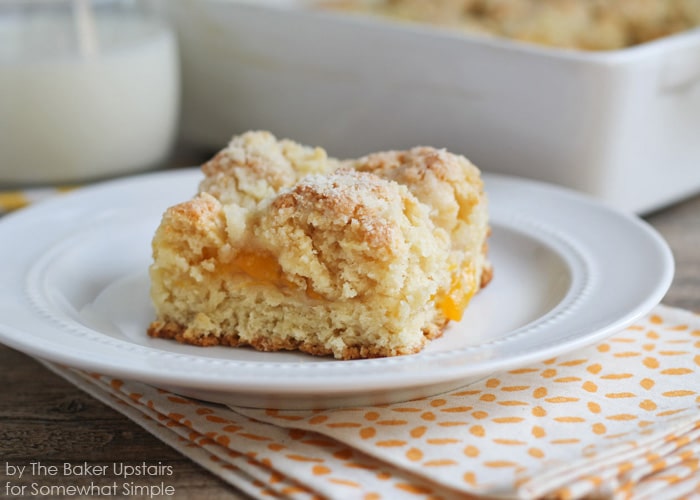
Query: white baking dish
x=622 y=125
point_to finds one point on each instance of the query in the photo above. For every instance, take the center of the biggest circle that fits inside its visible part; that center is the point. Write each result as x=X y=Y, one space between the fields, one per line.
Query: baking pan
x=621 y=125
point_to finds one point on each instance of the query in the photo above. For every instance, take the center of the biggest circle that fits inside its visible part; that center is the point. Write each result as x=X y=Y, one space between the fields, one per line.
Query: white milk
x=70 y=117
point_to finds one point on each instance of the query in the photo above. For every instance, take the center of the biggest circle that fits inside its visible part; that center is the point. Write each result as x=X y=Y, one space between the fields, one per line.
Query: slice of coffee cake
x=285 y=248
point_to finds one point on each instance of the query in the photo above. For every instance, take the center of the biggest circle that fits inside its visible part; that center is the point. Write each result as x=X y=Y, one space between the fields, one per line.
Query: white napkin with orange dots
x=620 y=419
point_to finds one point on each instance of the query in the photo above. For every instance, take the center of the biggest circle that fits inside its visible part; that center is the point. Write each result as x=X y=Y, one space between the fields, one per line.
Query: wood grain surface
x=43 y=418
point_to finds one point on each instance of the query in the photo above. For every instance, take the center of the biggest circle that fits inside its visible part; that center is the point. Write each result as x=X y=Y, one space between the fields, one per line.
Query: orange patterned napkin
x=620 y=419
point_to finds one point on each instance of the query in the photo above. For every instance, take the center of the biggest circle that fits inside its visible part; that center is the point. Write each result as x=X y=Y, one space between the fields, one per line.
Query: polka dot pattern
x=616 y=419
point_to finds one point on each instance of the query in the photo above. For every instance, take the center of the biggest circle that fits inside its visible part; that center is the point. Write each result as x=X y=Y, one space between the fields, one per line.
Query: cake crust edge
x=174 y=331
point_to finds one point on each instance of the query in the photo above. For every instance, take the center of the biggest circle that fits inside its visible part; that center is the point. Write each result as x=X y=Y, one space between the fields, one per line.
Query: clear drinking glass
x=88 y=89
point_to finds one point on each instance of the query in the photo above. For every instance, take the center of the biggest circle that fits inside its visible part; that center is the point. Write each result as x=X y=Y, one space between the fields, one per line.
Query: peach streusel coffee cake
x=286 y=248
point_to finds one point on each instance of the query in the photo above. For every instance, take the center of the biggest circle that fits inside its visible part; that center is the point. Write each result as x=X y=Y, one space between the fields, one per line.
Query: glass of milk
x=89 y=89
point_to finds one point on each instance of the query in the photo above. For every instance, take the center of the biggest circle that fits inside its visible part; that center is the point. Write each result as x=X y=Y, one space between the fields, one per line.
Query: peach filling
x=462 y=289
x=264 y=267
x=261 y=266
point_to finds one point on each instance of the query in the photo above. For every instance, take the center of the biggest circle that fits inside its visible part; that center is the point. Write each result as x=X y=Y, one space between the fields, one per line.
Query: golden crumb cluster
x=286 y=248
x=575 y=24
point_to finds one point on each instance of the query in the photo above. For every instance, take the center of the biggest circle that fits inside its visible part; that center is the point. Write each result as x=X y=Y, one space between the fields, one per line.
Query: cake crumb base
x=174 y=331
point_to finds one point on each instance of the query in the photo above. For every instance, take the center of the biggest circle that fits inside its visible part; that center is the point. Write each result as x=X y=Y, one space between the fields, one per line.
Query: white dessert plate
x=75 y=290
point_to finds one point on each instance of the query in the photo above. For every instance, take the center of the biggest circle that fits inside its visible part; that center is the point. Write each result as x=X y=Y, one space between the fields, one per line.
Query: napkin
x=619 y=419
x=15 y=199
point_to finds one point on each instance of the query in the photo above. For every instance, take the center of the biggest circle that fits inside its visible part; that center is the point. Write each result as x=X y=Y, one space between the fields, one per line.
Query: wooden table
x=43 y=418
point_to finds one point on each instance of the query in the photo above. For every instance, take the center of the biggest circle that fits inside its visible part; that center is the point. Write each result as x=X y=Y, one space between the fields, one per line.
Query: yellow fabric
x=12 y=200
x=618 y=419
x=16 y=199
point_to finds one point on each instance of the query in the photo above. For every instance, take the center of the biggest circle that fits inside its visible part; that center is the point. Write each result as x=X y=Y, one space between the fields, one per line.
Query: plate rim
x=12 y=335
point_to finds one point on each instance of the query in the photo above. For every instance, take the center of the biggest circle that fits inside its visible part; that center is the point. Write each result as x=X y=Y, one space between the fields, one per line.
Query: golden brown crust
x=343 y=200
x=174 y=331
x=255 y=166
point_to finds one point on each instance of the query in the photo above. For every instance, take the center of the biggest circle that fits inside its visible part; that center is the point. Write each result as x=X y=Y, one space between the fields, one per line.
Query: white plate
x=74 y=290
